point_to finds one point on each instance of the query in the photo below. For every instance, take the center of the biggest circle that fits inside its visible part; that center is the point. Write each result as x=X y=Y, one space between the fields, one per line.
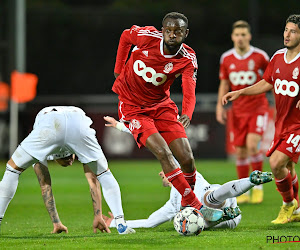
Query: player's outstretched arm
x=95 y=190
x=112 y=122
x=44 y=179
x=261 y=87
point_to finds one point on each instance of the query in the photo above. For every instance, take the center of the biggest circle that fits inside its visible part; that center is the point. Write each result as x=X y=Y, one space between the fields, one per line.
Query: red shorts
x=245 y=124
x=143 y=122
x=289 y=145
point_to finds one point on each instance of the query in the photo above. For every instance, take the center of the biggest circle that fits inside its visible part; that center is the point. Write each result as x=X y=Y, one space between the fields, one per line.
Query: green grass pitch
x=27 y=225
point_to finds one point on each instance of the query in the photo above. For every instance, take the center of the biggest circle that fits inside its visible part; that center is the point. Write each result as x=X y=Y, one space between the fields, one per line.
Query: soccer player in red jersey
x=240 y=67
x=282 y=74
x=143 y=85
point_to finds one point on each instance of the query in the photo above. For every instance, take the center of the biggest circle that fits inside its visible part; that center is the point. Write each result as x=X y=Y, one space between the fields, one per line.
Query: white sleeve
x=120 y=126
x=165 y=213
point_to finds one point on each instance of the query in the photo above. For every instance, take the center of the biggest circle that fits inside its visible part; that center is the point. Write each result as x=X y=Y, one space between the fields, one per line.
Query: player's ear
x=187 y=32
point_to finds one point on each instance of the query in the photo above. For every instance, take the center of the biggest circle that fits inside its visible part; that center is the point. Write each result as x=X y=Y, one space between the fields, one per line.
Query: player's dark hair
x=176 y=15
x=241 y=24
x=293 y=19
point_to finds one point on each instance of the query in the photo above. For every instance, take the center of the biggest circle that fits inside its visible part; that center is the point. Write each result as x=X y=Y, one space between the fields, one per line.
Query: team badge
x=295 y=73
x=168 y=67
x=134 y=124
x=232 y=66
x=251 y=64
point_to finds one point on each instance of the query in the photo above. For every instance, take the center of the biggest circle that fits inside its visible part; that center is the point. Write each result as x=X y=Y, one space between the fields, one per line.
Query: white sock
x=8 y=187
x=229 y=190
x=112 y=194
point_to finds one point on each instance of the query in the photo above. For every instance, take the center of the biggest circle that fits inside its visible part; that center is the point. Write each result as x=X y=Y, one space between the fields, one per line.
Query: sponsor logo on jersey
x=290 y=149
x=277 y=71
x=251 y=65
x=242 y=78
x=295 y=73
x=148 y=74
x=284 y=87
x=134 y=124
x=232 y=66
x=168 y=68
x=145 y=52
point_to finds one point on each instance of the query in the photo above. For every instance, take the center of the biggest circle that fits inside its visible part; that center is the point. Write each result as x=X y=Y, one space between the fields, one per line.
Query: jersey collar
x=238 y=56
x=295 y=58
x=162 y=50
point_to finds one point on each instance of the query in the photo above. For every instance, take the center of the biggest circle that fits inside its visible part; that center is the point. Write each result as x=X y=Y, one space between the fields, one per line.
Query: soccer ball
x=189 y=221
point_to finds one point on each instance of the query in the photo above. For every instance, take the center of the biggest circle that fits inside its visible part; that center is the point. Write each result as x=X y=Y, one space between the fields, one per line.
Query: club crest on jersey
x=145 y=52
x=168 y=67
x=134 y=124
x=251 y=64
x=295 y=73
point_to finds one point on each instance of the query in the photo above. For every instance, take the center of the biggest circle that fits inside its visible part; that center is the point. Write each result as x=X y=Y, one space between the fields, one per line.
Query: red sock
x=257 y=161
x=285 y=188
x=295 y=188
x=242 y=167
x=179 y=182
x=190 y=178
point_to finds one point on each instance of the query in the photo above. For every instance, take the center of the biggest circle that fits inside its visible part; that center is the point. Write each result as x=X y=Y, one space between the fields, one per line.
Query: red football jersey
x=243 y=71
x=285 y=78
x=146 y=77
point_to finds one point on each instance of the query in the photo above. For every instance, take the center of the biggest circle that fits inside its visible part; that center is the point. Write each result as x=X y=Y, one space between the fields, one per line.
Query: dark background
x=72 y=44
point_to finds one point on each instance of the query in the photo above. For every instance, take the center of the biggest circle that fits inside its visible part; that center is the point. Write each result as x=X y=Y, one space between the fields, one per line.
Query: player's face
x=67 y=161
x=174 y=33
x=241 y=38
x=164 y=179
x=291 y=35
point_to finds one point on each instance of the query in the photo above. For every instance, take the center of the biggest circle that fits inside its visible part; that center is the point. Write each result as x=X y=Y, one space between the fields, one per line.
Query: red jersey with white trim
x=285 y=78
x=244 y=71
x=146 y=77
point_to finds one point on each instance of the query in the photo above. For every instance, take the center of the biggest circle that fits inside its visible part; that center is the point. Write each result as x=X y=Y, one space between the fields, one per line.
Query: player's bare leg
x=283 y=180
x=242 y=168
x=296 y=214
x=182 y=151
x=256 y=161
x=158 y=146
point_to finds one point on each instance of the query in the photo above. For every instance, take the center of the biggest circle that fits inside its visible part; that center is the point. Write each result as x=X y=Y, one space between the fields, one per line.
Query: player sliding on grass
x=212 y=195
x=143 y=86
x=282 y=74
x=61 y=133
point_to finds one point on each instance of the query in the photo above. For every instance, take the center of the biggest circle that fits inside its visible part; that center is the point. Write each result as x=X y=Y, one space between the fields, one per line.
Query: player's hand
x=221 y=115
x=298 y=105
x=185 y=120
x=107 y=219
x=58 y=228
x=111 y=121
x=230 y=96
x=99 y=223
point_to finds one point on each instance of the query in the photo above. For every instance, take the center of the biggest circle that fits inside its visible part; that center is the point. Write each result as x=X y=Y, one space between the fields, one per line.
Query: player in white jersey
x=211 y=195
x=60 y=133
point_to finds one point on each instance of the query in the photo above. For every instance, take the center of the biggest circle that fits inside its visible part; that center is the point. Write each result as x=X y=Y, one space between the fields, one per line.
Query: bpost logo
x=283 y=239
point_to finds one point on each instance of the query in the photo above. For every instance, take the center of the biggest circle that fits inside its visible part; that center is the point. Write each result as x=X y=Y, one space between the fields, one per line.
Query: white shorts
x=59 y=128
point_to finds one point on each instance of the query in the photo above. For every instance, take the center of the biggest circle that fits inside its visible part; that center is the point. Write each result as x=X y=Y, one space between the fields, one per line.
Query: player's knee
x=276 y=165
x=163 y=153
x=187 y=163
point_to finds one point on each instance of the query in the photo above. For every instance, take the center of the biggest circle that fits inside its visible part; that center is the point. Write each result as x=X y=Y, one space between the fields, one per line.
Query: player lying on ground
x=62 y=133
x=215 y=195
x=212 y=195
